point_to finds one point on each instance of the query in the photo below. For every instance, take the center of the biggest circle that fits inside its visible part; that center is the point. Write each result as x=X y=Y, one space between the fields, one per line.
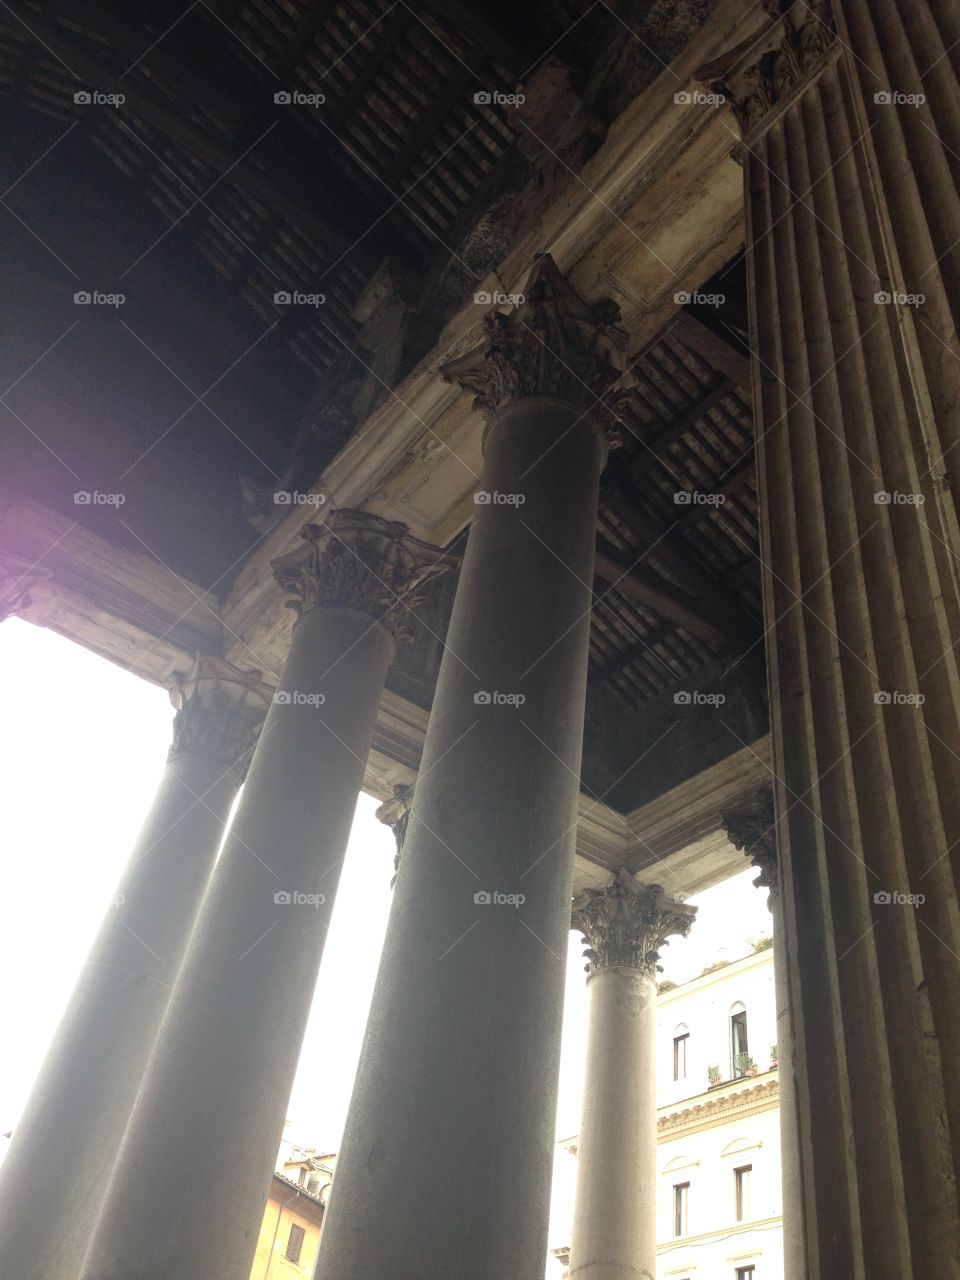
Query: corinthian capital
x=220 y=711
x=626 y=923
x=395 y=813
x=752 y=828
x=553 y=344
x=356 y=560
x=762 y=76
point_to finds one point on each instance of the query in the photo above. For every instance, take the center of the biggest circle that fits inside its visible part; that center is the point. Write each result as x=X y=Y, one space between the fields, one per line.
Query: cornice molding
x=692 y=1116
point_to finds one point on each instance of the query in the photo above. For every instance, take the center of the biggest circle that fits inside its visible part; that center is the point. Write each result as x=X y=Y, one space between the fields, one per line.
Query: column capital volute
x=751 y=826
x=625 y=924
x=358 y=561
x=764 y=74
x=395 y=814
x=554 y=344
x=220 y=711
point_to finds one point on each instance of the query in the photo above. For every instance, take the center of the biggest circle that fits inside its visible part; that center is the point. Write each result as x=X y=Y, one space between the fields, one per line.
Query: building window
x=741 y=1182
x=680 y=1055
x=746 y=1273
x=739 y=1049
x=681 y=1196
x=294 y=1243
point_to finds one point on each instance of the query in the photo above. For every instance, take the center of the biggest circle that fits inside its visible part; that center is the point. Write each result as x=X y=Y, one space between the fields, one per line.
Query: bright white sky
x=81 y=754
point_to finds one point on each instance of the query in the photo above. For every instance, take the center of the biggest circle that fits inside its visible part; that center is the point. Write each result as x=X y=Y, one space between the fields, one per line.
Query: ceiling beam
x=717 y=351
x=649 y=589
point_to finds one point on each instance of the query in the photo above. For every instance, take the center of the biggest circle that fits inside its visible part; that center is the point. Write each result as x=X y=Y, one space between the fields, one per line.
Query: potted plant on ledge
x=713 y=1077
x=774 y=1057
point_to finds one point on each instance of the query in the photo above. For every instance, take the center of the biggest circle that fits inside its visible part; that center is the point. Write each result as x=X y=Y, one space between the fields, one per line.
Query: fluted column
x=446 y=1158
x=752 y=828
x=189 y=1186
x=855 y=412
x=615 y=1214
x=83 y=1097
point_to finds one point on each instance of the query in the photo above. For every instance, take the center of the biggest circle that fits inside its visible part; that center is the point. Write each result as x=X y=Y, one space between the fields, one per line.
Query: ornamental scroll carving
x=626 y=923
x=220 y=712
x=553 y=344
x=356 y=560
x=752 y=828
x=765 y=72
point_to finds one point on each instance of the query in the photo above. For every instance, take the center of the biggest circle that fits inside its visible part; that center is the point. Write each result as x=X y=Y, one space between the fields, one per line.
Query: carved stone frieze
x=626 y=923
x=395 y=813
x=762 y=75
x=752 y=827
x=553 y=344
x=356 y=560
x=220 y=711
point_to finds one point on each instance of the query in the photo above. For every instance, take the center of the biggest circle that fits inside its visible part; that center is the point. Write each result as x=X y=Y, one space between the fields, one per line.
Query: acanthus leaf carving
x=626 y=923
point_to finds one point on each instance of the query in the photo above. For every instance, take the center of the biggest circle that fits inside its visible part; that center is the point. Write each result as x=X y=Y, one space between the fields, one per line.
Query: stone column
x=615 y=1214
x=191 y=1180
x=850 y=202
x=752 y=828
x=446 y=1159
x=53 y=1178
